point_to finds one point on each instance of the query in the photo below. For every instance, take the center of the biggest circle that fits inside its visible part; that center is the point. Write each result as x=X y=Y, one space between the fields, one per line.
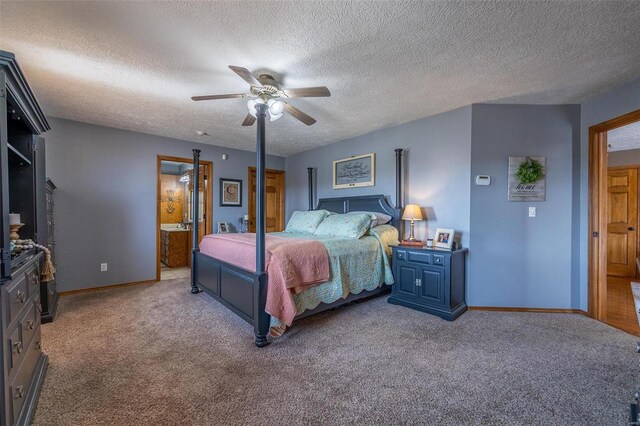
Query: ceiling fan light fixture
x=276 y=107
x=274 y=117
x=251 y=104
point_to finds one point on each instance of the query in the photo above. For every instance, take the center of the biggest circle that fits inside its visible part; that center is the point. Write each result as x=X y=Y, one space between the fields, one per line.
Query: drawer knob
x=19 y=392
x=18 y=347
x=31 y=324
x=21 y=296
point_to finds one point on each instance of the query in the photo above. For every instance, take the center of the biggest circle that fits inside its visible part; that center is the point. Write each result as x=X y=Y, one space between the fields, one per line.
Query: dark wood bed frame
x=245 y=292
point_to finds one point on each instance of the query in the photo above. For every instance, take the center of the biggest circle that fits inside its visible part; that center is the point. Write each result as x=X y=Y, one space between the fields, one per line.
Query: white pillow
x=377 y=218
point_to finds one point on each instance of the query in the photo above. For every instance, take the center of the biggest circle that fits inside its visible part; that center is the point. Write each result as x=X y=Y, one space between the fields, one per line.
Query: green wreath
x=530 y=171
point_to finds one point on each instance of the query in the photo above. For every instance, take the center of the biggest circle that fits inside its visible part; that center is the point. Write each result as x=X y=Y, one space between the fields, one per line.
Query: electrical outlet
x=532 y=212
x=103 y=267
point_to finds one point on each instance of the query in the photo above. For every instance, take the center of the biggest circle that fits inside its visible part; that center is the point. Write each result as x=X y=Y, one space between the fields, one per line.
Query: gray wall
x=598 y=109
x=105 y=204
x=437 y=164
x=517 y=261
x=628 y=157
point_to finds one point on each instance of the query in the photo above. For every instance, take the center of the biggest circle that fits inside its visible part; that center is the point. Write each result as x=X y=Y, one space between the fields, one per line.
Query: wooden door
x=622 y=221
x=274 y=200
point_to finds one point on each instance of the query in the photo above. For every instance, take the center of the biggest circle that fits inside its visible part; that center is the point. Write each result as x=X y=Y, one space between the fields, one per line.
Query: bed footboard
x=243 y=292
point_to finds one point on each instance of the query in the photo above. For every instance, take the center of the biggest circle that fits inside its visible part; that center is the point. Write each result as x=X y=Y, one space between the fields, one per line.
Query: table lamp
x=412 y=212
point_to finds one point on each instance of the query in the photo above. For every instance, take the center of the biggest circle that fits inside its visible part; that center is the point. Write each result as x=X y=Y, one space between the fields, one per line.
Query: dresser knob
x=19 y=392
x=18 y=347
x=21 y=296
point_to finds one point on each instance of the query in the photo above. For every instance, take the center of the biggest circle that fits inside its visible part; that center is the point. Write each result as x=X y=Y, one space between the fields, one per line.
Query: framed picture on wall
x=355 y=171
x=443 y=238
x=230 y=192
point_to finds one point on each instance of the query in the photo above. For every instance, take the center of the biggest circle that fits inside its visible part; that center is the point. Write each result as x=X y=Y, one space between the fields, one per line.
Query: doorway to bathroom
x=174 y=224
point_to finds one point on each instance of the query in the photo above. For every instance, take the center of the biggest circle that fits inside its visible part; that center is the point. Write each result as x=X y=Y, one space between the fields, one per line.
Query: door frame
x=251 y=201
x=597 y=255
x=208 y=206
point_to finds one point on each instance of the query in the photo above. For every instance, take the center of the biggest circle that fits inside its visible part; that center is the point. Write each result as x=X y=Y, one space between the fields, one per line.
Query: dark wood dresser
x=22 y=181
x=49 y=290
x=24 y=361
x=429 y=280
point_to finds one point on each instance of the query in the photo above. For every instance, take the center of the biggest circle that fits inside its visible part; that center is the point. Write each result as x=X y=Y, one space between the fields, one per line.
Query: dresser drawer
x=30 y=323
x=19 y=388
x=33 y=280
x=15 y=349
x=401 y=254
x=420 y=257
x=438 y=259
x=18 y=297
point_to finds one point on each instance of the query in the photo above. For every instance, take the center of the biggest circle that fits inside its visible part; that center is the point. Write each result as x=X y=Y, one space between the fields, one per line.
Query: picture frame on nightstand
x=444 y=238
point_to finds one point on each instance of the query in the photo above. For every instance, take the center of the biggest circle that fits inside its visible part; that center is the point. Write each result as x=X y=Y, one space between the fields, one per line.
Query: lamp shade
x=412 y=212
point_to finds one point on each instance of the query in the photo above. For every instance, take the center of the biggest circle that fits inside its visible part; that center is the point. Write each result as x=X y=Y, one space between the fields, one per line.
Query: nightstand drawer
x=420 y=257
x=401 y=255
x=438 y=259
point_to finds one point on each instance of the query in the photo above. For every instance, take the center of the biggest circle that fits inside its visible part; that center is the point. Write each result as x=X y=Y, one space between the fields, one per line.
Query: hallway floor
x=167 y=273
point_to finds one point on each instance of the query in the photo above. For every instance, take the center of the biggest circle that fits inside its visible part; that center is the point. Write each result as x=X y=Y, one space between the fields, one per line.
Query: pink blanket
x=293 y=265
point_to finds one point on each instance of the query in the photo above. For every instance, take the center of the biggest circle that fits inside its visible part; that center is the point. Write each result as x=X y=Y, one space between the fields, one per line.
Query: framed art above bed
x=355 y=171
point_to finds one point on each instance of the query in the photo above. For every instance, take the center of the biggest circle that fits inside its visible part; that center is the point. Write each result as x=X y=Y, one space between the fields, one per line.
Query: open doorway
x=174 y=214
x=614 y=251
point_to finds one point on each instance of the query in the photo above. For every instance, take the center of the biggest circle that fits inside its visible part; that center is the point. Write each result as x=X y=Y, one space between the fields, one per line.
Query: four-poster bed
x=244 y=292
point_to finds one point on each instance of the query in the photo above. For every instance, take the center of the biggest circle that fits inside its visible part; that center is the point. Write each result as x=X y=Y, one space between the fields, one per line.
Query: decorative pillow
x=306 y=221
x=377 y=218
x=345 y=225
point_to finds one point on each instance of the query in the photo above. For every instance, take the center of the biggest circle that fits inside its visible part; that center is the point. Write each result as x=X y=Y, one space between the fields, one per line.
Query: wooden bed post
x=195 y=218
x=310 y=178
x=260 y=318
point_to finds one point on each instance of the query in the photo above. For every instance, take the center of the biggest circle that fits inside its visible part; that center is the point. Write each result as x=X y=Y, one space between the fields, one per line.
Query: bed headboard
x=369 y=203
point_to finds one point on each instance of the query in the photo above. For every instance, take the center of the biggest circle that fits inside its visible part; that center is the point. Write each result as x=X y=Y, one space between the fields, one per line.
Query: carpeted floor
x=156 y=354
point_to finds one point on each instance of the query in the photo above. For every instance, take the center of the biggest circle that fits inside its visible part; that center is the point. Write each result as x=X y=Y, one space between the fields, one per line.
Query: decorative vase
x=14 y=230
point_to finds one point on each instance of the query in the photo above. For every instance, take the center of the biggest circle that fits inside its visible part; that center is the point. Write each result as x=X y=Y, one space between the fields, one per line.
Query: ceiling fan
x=265 y=89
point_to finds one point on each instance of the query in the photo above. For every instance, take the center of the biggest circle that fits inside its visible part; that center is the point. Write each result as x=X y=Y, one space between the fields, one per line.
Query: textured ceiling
x=626 y=137
x=135 y=65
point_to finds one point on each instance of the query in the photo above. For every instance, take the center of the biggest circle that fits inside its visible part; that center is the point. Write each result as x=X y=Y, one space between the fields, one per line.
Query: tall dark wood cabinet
x=48 y=289
x=23 y=187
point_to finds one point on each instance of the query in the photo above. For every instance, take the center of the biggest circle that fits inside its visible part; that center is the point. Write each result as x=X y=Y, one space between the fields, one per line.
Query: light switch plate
x=103 y=267
x=532 y=212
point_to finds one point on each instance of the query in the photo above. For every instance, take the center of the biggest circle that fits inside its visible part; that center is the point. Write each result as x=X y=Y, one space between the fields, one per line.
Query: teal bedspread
x=356 y=265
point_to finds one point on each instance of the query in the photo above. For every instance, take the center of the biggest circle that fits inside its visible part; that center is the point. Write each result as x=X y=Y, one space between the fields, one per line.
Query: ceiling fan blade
x=213 y=97
x=290 y=109
x=249 y=120
x=245 y=75
x=307 y=92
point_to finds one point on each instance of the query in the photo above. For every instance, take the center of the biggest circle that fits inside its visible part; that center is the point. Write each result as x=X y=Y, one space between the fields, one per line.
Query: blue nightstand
x=429 y=280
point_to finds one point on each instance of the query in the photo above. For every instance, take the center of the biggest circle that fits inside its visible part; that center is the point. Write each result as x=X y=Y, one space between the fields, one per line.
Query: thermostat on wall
x=483 y=180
